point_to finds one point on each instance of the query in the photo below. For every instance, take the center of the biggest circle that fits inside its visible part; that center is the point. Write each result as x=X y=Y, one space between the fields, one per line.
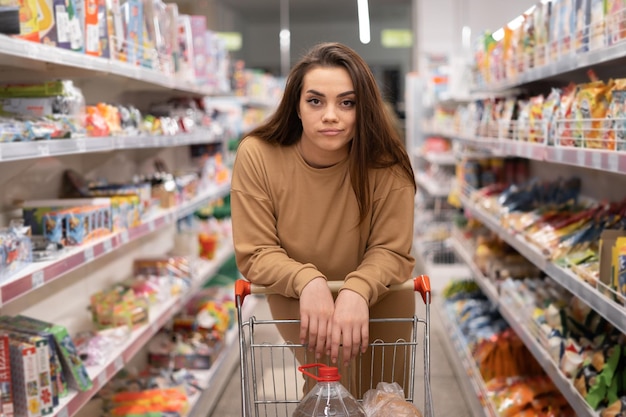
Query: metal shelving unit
x=39 y=274
x=607 y=308
x=576 y=401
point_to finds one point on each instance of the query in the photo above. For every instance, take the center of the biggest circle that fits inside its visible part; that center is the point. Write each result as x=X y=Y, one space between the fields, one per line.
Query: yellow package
x=613 y=125
x=591 y=106
x=619 y=267
x=535 y=120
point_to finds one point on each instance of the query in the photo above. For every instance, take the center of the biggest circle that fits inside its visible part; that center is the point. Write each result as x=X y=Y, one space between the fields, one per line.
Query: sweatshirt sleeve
x=387 y=258
x=258 y=252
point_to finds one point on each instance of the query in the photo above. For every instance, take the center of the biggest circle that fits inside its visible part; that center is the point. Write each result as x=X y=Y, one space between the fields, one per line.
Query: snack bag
x=616 y=21
x=549 y=110
x=562 y=124
x=590 y=107
x=535 y=120
x=613 y=125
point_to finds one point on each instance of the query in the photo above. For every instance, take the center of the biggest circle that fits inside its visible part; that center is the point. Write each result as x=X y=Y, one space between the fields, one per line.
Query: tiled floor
x=447 y=398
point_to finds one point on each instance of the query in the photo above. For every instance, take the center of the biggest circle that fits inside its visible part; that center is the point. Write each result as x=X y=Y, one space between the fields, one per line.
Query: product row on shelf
x=54 y=372
x=581 y=352
x=548 y=39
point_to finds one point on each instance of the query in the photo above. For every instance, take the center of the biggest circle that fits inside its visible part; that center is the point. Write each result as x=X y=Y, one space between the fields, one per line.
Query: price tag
x=37 y=279
x=102 y=379
x=530 y=151
x=118 y=363
x=124 y=236
x=558 y=154
x=81 y=145
x=43 y=149
x=63 y=412
x=580 y=157
x=89 y=254
x=0 y=152
x=107 y=245
x=596 y=160
x=155 y=327
x=151 y=226
x=613 y=162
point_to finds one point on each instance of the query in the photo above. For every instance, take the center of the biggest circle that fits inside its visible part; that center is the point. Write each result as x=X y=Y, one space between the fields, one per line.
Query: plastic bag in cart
x=388 y=400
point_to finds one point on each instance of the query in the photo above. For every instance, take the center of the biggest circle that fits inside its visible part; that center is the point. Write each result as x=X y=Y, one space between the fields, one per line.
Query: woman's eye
x=348 y=103
x=313 y=101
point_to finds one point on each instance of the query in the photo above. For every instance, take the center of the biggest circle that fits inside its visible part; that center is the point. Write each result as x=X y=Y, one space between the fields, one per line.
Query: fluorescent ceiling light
x=364 y=21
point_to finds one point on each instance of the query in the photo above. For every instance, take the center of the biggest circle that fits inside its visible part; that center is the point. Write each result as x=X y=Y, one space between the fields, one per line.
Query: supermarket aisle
x=447 y=397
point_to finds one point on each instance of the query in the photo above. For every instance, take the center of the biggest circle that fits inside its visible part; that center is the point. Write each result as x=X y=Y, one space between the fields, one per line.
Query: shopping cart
x=271 y=384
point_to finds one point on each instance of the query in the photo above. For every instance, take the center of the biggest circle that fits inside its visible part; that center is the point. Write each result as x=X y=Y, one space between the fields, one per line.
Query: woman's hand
x=350 y=326
x=316 y=313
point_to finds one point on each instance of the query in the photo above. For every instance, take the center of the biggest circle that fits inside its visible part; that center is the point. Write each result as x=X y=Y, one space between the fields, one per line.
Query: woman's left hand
x=350 y=326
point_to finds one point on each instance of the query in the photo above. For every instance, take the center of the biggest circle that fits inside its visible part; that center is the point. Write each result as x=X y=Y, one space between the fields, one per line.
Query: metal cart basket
x=271 y=384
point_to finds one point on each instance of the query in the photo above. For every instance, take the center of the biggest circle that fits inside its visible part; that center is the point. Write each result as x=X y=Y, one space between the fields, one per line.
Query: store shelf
x=13 y=151
x=431 y=186
x=568 y=390
x=464 y=365
x=28 y=55
x=215 y=380
x=438 y=158
x=564 y=64
x=599 y=159
x=39 y=274
x=607 y=308
x=159 y=316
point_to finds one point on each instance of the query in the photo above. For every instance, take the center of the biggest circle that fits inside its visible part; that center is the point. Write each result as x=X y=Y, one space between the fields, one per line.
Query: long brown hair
x=376 y=142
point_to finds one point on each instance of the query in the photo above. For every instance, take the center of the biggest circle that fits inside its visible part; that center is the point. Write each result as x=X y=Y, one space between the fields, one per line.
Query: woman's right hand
x=316 y=312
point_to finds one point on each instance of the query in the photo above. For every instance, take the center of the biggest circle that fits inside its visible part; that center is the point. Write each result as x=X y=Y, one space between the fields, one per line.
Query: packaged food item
x=535 y=120
x=590 y=107
x=615 y=21
x=581 y=40
x=597 y=22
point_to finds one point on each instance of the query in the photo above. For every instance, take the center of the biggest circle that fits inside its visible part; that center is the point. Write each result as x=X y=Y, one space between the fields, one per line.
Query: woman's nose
x=330 y=114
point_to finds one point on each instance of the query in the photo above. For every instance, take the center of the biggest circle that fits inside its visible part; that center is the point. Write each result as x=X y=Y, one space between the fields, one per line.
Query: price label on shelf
x=81 y=146
x=0 y=152
x=107 y=245
x=118 y=363
x=89 y=254
x=124 y=236
x=558 y=154
x=151 y=226
x=102 y=379
x=63 y=412
x=43 y=149
x=37 y=279
x=613 y=162
x=596 y=160
x=580 y=157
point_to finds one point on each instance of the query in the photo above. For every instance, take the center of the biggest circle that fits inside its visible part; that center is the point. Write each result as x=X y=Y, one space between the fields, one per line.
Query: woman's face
x=328 y=112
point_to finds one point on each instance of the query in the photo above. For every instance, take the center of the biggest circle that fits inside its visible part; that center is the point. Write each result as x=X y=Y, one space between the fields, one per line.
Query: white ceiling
x=266 y=11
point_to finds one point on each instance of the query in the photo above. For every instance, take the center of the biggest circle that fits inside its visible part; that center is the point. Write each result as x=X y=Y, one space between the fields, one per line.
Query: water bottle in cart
x=328 y=397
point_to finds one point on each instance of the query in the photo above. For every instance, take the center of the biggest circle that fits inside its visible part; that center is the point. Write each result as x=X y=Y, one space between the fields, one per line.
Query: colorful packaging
x=6 y=387
x=581 y=41
x=74 y=369
x=91 y=27
x=24 y=378
x=597 y=22
x=47 y=21
x=590 y=108
x=542 y=14
x=615 y=21
x=132 y=13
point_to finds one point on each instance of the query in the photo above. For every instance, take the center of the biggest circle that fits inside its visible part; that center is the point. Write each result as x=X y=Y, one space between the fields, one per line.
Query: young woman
x=324 y=190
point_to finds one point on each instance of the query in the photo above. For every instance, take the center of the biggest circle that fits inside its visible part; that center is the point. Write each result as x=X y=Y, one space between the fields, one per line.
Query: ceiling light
x=364 y=21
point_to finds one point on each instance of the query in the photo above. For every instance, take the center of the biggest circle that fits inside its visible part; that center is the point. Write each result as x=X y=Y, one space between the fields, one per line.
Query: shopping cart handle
x=420 y=284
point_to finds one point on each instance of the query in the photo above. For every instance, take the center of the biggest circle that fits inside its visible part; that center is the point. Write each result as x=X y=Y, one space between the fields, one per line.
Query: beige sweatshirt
x=292 y=223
